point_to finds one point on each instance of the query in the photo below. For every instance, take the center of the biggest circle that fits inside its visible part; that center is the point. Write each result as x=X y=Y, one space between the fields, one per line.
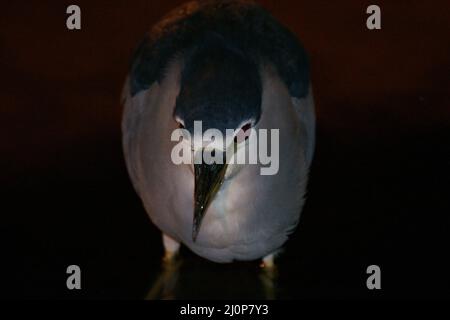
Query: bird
x=231 y=65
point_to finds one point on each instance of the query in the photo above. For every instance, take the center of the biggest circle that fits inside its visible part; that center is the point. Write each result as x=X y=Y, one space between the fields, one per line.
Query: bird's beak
x=208 y=179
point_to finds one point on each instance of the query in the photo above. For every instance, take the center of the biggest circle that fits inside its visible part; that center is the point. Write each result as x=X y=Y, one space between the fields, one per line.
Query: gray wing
x=130 y=124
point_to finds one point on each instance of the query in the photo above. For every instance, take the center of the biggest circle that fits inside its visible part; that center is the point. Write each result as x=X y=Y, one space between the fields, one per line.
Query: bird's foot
x=165 y=284
x=169 y=257
x=166 y=281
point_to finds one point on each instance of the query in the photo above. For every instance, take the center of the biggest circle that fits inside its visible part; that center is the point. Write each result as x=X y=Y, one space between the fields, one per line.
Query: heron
x=231 y=65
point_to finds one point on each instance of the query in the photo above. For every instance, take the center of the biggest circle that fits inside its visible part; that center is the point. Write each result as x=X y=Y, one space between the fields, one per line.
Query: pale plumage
x=251 y=215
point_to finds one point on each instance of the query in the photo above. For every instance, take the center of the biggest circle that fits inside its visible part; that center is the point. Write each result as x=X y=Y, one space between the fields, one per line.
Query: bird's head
x=221 y=88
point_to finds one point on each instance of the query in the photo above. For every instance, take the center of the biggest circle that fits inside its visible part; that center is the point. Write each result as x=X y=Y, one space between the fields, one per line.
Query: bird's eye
x=180 y=123
x=243 y=133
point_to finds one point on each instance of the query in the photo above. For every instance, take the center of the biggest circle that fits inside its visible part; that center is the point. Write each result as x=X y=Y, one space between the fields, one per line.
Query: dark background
x=379 y=189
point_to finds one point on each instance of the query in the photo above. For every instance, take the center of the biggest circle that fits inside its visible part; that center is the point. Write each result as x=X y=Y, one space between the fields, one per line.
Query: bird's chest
x=228 y=216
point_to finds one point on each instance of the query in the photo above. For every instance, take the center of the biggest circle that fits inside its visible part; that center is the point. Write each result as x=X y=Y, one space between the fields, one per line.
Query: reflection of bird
x=232 y=66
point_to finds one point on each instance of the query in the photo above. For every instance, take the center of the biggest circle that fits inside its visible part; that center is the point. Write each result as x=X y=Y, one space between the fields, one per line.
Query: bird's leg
x=166 y=281
x=267 y=261
x=268 y=276
x=164 y=286
x=171 y=248
x=268 y=266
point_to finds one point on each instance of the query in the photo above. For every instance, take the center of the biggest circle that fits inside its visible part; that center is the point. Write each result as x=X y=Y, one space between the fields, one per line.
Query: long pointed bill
x=208 y=179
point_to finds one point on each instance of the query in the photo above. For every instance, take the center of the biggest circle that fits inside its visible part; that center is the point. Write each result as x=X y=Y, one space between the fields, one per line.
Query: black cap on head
x=220 y=86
